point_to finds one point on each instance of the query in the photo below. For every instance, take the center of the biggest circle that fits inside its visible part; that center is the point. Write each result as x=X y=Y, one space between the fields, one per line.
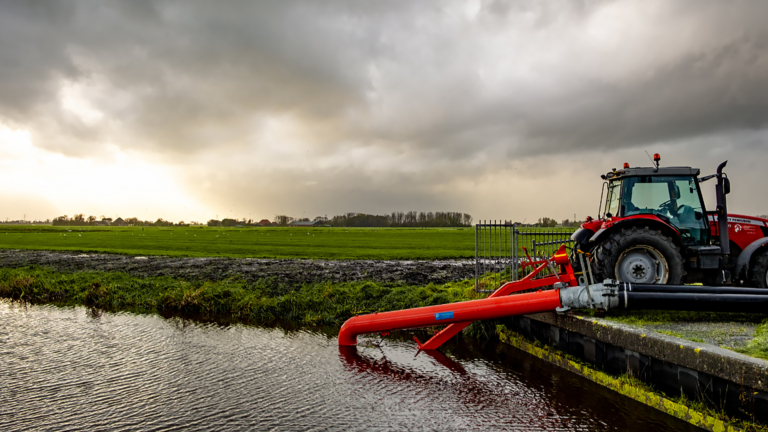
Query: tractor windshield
x=672 y=197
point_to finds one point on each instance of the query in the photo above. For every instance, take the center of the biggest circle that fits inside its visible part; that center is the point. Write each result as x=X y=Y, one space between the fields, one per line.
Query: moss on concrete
x=693 y=412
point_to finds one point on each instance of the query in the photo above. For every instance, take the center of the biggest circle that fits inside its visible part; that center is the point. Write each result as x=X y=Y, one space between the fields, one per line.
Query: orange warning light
x=656 y=157
x=626 y=165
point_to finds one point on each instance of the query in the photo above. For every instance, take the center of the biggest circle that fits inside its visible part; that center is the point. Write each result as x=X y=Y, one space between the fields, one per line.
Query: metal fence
x=500 y=247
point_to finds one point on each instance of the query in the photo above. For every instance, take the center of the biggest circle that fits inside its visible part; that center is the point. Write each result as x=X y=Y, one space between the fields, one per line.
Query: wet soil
x=283 y=271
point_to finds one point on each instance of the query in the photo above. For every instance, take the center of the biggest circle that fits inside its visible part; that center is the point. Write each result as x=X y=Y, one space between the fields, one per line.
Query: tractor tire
x=640 y=255
x=573 y=257
x=759 y=274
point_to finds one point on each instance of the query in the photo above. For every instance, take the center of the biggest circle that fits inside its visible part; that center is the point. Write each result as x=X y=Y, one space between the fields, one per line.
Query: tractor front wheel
x=760 y=271
x=640 y=255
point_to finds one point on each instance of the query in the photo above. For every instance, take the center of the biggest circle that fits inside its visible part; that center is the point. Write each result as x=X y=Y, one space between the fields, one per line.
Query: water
x=63 y=369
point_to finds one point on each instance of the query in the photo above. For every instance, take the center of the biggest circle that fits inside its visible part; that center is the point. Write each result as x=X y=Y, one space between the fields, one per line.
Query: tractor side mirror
x=726 y=186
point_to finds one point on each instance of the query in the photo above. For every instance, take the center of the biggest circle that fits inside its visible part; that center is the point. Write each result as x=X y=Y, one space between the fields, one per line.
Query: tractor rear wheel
x=640 y=255
x=573 y=257
x=760 y=271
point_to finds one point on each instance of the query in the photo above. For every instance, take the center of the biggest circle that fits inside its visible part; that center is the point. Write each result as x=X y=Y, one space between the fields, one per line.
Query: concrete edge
x=710 y=359
x=653 y=400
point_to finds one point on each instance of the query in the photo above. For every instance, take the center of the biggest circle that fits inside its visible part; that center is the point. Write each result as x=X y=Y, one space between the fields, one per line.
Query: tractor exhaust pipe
x=722 y=188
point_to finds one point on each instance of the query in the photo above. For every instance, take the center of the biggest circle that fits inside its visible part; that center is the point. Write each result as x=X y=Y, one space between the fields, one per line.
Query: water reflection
x=63 y=369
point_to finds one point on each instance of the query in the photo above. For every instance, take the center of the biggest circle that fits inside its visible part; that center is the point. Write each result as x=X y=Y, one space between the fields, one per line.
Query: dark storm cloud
x=181 y=76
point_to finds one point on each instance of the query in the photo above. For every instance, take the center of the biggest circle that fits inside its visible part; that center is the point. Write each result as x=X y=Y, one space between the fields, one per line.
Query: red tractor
x=655 y=229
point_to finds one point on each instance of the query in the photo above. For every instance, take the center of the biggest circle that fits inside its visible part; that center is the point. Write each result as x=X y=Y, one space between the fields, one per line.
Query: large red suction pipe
x=468 y=311
x=457 y=316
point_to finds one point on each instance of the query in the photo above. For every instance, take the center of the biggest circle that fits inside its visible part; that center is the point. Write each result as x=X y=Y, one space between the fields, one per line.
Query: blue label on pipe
x=443 y=315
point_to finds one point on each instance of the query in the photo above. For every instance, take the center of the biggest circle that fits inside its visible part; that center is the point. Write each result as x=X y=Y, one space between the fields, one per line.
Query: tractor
x=653 y=234
x=655 y=229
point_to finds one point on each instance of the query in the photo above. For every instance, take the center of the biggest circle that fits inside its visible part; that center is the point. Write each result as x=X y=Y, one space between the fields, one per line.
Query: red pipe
x=473 y=310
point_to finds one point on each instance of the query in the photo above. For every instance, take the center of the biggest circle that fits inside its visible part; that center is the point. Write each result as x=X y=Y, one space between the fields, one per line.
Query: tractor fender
x=742 y=264
x=582 y=235
x=667 y=230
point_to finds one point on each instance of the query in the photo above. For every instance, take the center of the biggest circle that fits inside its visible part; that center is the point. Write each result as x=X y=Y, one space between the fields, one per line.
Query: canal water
x=65 y=369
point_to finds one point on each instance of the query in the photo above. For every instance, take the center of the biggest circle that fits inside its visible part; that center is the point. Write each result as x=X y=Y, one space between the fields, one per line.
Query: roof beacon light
x=626 y=165
x=656 y=157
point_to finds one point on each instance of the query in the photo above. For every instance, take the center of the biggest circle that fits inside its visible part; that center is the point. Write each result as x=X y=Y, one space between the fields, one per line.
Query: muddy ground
x=280 y=271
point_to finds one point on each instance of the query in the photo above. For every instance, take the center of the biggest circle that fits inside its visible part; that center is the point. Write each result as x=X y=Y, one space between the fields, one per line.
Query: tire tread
x=607 y=252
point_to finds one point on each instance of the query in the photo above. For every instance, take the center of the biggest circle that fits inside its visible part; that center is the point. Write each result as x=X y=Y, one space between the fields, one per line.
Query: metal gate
x=500 y=246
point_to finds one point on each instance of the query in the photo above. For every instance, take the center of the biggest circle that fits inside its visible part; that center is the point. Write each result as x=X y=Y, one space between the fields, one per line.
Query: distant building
x=306 y=224
x=265 y=222
x=119 y=222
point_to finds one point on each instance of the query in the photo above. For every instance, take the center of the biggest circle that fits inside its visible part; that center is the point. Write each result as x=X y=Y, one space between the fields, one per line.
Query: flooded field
x=64 y=369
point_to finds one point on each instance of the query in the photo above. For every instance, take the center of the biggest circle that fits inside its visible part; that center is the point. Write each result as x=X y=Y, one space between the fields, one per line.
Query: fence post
x=477 y=287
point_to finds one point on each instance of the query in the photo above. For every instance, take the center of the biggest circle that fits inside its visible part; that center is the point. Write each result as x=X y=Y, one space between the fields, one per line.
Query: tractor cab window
x=676 y=199
x=612 y=201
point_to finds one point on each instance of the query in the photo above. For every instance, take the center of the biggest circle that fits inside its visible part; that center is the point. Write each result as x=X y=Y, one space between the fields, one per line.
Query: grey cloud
x=193 y=75
x=461 y=97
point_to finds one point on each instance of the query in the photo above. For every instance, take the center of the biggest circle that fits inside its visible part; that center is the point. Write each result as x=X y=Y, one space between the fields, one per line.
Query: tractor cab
x=655 y=229
x=669 y=194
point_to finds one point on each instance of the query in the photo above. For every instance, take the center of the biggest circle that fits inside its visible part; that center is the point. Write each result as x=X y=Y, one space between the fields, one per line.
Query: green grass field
x=273 y=242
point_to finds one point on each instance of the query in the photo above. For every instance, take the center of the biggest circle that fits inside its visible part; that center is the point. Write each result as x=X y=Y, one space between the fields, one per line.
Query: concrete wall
x=725 y=379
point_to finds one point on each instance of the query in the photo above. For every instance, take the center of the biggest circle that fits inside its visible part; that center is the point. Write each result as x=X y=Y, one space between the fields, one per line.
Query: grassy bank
x=230 y=300
x=272 y=242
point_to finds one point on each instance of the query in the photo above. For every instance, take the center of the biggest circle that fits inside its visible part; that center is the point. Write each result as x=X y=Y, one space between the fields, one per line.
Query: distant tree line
x=547 y=222
x=395 y=219
x=227 y=222
x=570 y=224
x=81 y=220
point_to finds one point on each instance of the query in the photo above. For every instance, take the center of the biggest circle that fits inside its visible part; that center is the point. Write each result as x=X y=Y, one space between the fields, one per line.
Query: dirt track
x=280 y=271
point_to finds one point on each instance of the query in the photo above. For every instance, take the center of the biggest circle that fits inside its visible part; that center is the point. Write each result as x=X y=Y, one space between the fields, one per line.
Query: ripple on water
x=63 y=369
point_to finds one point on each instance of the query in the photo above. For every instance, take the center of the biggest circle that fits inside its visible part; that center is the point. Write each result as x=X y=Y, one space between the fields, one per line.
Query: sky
x=507 y=110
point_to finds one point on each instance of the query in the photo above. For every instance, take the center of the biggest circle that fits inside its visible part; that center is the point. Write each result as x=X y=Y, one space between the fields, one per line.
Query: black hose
x=695 y=301
x=644 y=288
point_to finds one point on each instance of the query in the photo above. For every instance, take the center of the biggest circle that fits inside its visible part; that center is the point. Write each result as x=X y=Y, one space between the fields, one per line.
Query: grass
x=758 y=346
x=230 y=300
x=272 y=242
